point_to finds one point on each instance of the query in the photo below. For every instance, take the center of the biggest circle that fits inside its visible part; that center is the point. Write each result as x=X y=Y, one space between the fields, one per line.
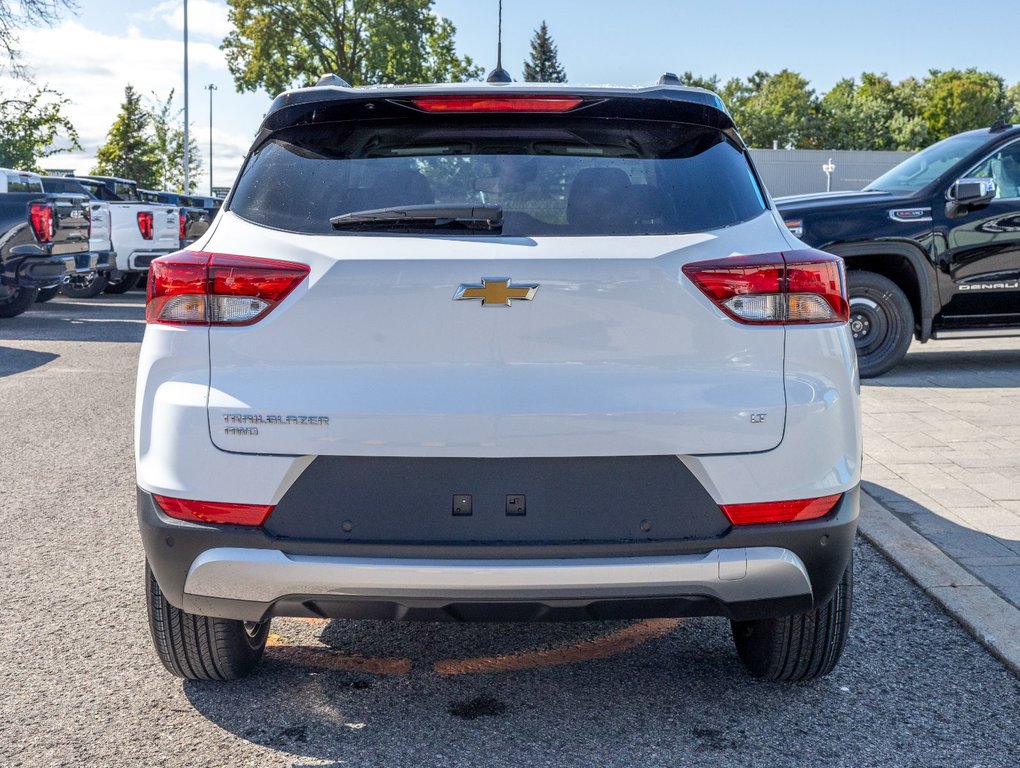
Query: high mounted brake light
x=145 y=224
x=40 y=216
x=794 y=288
x=780 y=511
x=214 y=511
x=196 y=288
x=502 y=103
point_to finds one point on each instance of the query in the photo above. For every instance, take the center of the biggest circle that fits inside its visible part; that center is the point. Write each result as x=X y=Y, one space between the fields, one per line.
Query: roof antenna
x=499 y=75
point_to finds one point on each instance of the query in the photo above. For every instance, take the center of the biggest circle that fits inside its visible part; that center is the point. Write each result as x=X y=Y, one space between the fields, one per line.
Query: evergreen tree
x=129 y=151
x=544 y=66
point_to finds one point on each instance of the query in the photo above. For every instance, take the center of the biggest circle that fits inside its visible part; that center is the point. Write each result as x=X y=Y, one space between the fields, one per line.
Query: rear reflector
x=145 y=224
x=40 y=216
x=776 y=288
x=196 y=288
x=502 y=103
x=215 y=511
x=780 y=511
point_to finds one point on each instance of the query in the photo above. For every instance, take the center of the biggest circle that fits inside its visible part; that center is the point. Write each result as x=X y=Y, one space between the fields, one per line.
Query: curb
x=993 y=621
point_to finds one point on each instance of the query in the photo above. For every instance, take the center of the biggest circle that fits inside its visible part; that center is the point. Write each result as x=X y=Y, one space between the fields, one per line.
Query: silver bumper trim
x=267 y=575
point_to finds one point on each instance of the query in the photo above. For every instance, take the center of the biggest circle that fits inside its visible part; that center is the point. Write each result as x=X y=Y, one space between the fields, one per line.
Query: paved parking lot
x=83 y=687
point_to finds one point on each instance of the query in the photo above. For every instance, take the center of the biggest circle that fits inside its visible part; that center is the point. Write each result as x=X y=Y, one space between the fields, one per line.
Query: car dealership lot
x=83 y=686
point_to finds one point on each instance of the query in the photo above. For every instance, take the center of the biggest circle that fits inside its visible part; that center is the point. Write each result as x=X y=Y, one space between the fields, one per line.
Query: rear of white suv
x=498 y=353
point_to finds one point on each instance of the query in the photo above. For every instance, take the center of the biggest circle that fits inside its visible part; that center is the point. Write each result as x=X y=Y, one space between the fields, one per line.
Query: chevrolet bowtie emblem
x=496 y=291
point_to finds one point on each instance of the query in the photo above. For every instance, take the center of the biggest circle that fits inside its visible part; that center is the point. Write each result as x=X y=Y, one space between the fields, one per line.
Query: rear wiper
x=423 y=216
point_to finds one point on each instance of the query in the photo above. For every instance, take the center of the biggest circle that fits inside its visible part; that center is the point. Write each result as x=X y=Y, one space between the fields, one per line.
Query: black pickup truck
x=40 y=236
x=932 y=247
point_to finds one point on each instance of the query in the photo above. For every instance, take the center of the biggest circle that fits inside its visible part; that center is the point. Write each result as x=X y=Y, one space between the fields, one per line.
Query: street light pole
x=211 y=87
x=187 y=140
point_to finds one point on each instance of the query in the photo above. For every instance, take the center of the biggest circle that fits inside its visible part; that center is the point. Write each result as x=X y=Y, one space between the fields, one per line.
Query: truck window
x=18 y=183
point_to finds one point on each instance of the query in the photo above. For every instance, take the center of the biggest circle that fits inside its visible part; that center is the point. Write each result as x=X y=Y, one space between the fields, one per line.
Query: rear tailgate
x=617 y=354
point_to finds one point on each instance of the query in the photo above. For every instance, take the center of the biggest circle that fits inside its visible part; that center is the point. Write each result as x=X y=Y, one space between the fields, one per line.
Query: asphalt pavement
x=82 y=686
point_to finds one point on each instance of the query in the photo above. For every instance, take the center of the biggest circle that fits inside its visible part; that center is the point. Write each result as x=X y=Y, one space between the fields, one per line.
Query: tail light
x=215 y=511
x=502 y=103
x=145 y=224
x=775 y=288
x=196 y=288
x=183 y=219
x=780 y=511
x=42 y=221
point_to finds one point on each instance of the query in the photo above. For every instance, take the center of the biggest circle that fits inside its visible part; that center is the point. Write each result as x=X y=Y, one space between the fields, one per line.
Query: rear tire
x=124 y=283
x=85 y=286
x=17 y=301
x=45 y=294
x=881 y=321
x=801 y=647
x=202 y=647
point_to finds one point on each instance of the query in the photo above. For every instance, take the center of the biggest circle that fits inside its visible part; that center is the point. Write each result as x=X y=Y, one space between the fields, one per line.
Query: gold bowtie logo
x=496 y=291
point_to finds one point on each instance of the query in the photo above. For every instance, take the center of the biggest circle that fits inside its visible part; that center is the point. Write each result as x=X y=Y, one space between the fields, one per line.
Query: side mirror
x=967 y=194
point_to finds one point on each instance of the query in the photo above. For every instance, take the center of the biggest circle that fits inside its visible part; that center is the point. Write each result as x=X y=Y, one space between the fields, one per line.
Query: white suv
x=498 y=352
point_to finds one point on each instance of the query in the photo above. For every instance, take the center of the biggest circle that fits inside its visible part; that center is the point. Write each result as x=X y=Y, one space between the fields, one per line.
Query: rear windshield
x=17 y=182
x=549 y=176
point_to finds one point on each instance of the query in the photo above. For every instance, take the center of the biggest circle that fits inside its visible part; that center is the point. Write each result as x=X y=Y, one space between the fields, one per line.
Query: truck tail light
x=780 y=511
x=196 y=288
x=776 y=288
x=183 y=224
x=215 y=511
x=42 y=221
x=145 y=224
x=503 y=103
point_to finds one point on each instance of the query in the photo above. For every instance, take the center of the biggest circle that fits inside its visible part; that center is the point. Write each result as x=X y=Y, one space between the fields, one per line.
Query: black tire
x=202 y=647
x=17 y=301
x=45 y=294
x=881 y=321
x=801 y=647
x=124 y=283
x=85 y=286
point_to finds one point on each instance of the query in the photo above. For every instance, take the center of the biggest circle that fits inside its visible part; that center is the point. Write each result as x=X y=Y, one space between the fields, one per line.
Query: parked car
x=404 y=376
x=194 y=220
x=139 y=231
x=93 y=268
x=41 y=236
x=932 y=246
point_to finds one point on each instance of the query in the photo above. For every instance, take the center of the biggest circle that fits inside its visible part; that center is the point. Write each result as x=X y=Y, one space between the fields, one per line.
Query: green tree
x=129 y=151
x=168 y=146
x=544 y=66
x=1013 y=103
x=777 y=109
x=276 y=45
x=33 y=127
x=962 y=100
x=710 y=83
x=861 y=115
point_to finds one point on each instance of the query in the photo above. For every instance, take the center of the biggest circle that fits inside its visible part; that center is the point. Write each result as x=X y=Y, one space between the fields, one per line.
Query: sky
x=92 y=54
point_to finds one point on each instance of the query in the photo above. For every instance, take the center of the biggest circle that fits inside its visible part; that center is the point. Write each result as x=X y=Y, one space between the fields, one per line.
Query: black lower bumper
x=44 y=271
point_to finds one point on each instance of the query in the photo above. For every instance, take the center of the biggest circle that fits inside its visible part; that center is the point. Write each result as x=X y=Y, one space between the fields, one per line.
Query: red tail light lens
x=145 y=224
x=503 y=103
x=775 y=288
x=40 y=217
x=196 y=288
x=780 y=511
x=183 y=219
x=215 y=511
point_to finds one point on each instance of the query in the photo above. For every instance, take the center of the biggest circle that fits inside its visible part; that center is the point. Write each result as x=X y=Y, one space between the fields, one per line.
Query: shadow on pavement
x=111 y=319
x=14 y=361
x=954 y=369
x=990 y=558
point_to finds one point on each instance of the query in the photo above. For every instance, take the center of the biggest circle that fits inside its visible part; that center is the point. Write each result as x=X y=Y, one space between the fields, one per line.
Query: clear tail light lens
x=42 y=221
x=776 y=288
x=215 y=511
x=780 y=511
x=145 y=224
x=196 y=288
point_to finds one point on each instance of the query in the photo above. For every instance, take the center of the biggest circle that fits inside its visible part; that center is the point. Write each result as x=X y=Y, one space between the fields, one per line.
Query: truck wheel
x=84 y=286
x=16 y=301
x=202 y=647
x=881 y=321
x=801 y=647
x=45 y=294
x=124 y=283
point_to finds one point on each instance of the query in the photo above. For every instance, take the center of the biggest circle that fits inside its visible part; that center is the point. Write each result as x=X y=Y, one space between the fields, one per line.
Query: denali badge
x=496 y=291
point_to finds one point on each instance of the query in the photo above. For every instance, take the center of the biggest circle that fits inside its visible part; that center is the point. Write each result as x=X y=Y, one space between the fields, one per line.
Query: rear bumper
x=139 y=261
x=748 y=572
x=45 y=271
